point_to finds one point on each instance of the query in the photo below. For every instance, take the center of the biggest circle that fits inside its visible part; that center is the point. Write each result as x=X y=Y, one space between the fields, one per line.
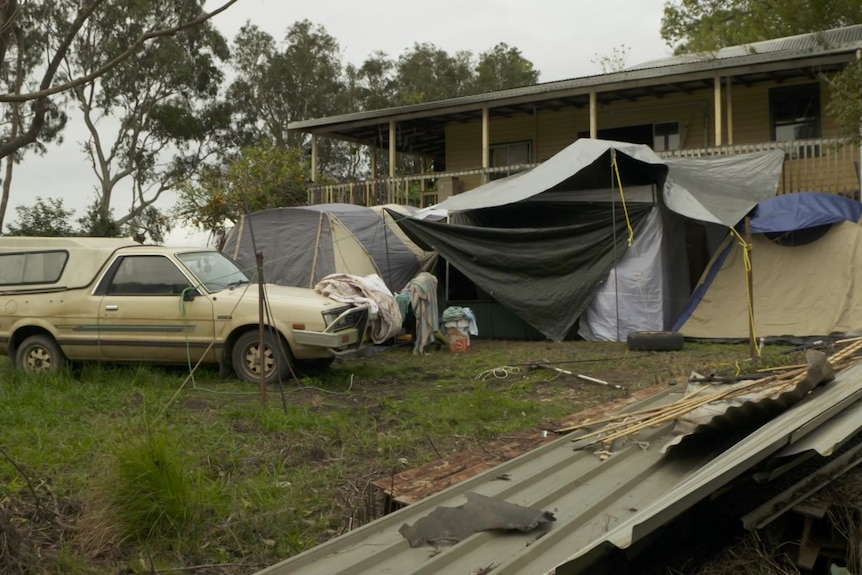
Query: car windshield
x=214 y=270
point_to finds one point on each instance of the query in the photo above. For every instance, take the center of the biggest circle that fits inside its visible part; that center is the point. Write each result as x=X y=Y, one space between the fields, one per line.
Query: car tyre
x=655 y=341
x=245 y=357
x=40 y=354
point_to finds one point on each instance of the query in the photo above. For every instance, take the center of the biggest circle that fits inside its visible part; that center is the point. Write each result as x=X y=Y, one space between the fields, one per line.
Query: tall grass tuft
x=148 y=493
x=153 y=494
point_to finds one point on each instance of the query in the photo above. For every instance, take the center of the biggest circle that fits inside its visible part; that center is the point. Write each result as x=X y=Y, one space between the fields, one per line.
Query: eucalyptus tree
x=37 y=36
x=281 y=82
x=151 y=118
x=503 y=67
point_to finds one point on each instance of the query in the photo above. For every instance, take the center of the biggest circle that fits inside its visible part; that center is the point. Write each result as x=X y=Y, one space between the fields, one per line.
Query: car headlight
x=337 y=320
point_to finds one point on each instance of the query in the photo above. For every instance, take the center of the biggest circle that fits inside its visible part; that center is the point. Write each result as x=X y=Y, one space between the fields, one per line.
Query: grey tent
x=301 y=245
x=544 y=243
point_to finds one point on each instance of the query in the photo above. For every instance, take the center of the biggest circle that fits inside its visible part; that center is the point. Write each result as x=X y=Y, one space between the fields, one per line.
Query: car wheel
x=655 y=341
x=40 y=354
x=248 y=361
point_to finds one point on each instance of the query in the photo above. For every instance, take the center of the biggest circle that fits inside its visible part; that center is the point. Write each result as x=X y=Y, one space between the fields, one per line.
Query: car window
x=147 y=275
x=32 y=267
x=214 y=270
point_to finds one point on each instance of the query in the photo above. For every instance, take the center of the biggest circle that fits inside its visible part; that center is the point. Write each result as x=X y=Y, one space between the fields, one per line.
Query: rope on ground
x=501 y=372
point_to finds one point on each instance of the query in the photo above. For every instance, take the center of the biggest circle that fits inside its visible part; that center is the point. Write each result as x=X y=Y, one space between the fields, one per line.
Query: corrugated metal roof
x=598 y=504
x=838 y=38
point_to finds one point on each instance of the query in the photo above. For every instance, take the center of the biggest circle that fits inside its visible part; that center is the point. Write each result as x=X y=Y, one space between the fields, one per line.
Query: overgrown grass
x=129 y=469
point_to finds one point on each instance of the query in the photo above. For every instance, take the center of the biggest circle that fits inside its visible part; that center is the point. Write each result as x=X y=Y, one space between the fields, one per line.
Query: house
x=761 y=96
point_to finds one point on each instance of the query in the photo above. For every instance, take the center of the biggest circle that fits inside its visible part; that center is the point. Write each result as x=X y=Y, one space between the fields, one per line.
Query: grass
x=127 y=469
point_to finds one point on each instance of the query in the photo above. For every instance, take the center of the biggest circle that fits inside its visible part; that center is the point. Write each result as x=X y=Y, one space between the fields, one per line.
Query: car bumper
x=338 y=341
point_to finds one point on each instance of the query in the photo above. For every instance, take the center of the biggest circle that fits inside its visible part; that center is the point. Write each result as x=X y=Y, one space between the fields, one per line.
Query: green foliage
x=503 y=67
x=707 y=25
x=164 y=100
x=47 y=217
x=303 y=78
x=614 y=61
x=50 y=218
x=260 y=178
x=151 y=493
x=845 y=101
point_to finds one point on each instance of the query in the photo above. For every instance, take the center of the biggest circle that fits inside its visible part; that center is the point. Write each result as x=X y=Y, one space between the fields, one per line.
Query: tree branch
x=114 y=62
x=40 y=106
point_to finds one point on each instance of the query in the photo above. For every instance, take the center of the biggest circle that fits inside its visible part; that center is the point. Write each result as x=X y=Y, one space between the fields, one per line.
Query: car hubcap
x=253 y=360
x=39 y=359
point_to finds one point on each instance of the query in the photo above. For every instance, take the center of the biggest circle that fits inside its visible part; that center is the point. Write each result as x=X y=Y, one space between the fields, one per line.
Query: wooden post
x=752 y=341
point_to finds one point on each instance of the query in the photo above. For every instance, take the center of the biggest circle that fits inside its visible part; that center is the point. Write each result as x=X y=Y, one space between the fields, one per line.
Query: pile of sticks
x=781 y=380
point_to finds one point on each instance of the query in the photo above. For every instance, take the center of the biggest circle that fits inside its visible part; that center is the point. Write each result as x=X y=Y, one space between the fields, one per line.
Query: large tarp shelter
x=302 y=245
x=544 y=242
x=806 y=268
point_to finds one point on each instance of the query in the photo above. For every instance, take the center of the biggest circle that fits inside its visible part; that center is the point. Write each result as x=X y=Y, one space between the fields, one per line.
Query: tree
x=614 y=61
x=47 y=217
x=35 y=38
x=276 y=85
x=262 y=177
x=425 y=73
x=707 y=25
x=155 y=105
x=845 y=101
x=503 y=67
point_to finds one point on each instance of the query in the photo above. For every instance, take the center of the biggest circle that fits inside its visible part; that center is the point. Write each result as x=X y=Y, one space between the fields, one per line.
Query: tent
x=301 y=245
x=544 y=242
x=806 y=269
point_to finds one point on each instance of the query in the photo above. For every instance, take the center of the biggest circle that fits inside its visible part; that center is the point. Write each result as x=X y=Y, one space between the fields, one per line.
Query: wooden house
x=761 y=96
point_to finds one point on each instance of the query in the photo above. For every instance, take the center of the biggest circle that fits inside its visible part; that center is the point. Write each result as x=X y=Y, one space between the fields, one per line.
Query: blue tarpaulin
x=789 y=212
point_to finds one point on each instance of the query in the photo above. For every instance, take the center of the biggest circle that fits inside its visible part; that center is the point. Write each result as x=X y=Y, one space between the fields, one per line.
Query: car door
x=144 y=317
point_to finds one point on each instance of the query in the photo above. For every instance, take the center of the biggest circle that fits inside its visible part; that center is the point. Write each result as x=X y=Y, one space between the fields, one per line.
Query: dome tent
x=806 y=270
x=301 y=245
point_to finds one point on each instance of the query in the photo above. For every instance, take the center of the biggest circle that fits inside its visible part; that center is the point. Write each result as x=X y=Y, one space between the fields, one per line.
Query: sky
x=563 y=39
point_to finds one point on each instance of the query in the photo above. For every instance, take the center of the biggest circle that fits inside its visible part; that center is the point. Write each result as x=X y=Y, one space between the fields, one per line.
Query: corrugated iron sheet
x=598 y=504
x=817 y=41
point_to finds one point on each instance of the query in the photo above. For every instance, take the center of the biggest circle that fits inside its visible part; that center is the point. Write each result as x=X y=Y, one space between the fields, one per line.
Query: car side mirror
x=189 y=294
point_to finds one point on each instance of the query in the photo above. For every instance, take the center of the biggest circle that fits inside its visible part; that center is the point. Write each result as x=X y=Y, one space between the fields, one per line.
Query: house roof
x=599 y=504
x=421 y=127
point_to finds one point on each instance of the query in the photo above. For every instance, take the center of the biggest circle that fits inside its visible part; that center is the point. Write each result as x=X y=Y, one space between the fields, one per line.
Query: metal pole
x=261 y=295
x=752 y=342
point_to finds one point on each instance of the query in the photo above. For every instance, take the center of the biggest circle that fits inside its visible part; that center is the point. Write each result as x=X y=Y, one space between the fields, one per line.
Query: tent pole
x=752 y=342
x=616 y=258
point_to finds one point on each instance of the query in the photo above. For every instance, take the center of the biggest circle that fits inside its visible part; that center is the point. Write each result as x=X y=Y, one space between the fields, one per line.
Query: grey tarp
x=544 y=275
x=716 y=189
x=723 y=189
x=584 y=165
x=302 y=245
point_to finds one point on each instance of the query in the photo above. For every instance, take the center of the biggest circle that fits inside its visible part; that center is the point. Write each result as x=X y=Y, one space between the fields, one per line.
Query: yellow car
x=106 y=299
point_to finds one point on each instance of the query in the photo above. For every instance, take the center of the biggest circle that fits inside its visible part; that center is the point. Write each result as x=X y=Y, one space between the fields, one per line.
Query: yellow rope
x=623 y=197
x=746 y=256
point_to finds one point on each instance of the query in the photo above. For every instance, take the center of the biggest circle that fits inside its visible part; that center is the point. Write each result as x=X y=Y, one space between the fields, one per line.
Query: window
x=795 y=112
x=665 y=136
x=32 y=267
x=147 y=275
x=661 y=136
x=511 y=154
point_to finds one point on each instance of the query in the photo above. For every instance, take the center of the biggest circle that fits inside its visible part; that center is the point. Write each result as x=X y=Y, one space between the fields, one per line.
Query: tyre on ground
x=655 y=341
